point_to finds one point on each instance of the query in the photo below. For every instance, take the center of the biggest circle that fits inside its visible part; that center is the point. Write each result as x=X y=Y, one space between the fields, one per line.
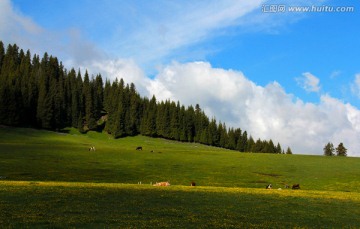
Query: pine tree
x=174 y=121
x=111 y=101
x=33 y=90
x=224 y=136
x=10 y=93
x=250 y=144
x=214 y=136
x=107 y=95
x=258 y=146
x=271 y=147
x=183 y=125
x=126 y=107
x=2 y=54
x=98 y=96
x=204 y=137
x=26 y=96
x=288 y=151
x=134 y=111
x=232 y=139
x=190 y=123
x=59 y=99
x=148 y=122
x=278 y=148
x=242 y=144
x=119 y=113
x=89 y=103
x=341 y=150
x=329 y=149
x=44 y=112
x=160 y=120
x=199 y=125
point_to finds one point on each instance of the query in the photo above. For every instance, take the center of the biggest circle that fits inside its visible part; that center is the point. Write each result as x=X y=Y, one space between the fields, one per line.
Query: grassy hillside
x=50 y=179
x=27 y=154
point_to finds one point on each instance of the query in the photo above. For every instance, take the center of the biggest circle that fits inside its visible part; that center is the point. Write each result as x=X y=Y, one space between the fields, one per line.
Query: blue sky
x=321 y=43
x=307 y=61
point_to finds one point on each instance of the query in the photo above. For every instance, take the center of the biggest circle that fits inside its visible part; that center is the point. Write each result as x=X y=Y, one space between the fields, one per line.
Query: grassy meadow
x=50 y=179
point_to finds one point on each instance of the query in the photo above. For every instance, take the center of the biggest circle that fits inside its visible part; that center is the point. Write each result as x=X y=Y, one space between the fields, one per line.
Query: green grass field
x=50 y=179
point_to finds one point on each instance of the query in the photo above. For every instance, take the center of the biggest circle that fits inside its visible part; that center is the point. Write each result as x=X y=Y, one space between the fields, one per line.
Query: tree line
x=42 y=93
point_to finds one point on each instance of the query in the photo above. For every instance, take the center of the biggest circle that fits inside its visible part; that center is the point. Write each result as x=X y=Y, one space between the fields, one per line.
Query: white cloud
x=68 y=45
x=265 y=112
x=355 y=86
x=164 y=32
x=126 y=69
x=15 y=27
x=309 y=82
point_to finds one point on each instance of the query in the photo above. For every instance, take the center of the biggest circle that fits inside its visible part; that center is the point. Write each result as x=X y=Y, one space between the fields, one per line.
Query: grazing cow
x=296 y=186
x=162 y=184
x=139 y=148
x=192 y=183
x=269 y=186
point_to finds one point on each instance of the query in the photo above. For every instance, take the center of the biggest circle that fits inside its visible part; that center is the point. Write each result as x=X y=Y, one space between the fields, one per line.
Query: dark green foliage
x=148 y=121
x=10 y=87
x=89 y=96
x=329 y=149
x=288 y=151
x=44 y=94
x=2 y=53
x=341 y=150
x=278 y=149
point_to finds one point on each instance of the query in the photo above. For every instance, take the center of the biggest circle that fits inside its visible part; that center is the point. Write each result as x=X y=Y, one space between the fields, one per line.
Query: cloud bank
x=265 y=112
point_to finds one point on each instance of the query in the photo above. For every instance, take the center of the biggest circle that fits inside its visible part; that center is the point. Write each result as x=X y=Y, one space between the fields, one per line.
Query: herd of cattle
x=166 y=183
x=269 y=186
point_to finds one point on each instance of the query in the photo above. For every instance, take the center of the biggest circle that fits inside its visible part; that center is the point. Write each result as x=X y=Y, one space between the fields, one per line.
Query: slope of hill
x=50 y=179
x=28 y=154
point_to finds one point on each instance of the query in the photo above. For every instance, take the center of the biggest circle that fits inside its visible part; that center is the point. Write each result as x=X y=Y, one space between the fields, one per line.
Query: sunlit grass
x=77 y=204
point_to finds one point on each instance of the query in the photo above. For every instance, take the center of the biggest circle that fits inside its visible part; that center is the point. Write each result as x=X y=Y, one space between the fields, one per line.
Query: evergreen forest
x=41 y=93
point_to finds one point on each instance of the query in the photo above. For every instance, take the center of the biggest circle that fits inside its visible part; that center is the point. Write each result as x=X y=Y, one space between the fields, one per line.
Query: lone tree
x=288 y=151
x=341 y=150
x=329 y=149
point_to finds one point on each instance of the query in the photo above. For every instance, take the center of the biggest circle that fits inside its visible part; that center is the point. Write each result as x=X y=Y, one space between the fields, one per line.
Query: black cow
x=269 y=186
x=296 y=186
x=139 y=148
